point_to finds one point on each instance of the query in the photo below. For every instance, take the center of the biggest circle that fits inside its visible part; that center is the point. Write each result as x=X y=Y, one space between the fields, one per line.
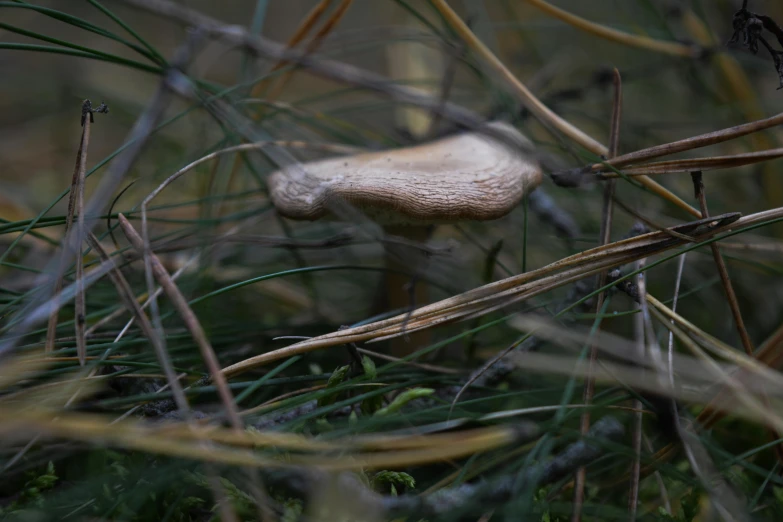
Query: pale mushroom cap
x=465 y=177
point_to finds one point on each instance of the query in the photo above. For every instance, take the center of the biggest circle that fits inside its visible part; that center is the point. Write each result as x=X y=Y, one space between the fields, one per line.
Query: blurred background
x=665 y=98
x=50 y=64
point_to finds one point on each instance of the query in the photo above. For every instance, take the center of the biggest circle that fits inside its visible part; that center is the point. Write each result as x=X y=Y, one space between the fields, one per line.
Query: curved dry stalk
x=701 y=164
x=621 y=350
x=75 y=208
x=537 y=108
x=152 y=438
x=742 y=92
x=607 y=216
x=465 y=305
x=528 y=99
x=602 y=31
x=739 y=391
x=301 y=32
x=695 y=142
x=157 y=269
x=502 y=293
x=312 y=46
x=720 y=349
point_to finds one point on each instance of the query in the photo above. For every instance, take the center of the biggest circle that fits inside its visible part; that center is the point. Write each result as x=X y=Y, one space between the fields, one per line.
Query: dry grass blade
x=755 y=407
x=537 y=108
x=690 y=165
x=75 y=206
x=695 y=142
x=190 y=319
x=760 y=375
x=502 y=293
x=731 y=296
x=528 y=99
x=209 y=444
x=132 y=305
x=301 y=32
x=642 y=42
x=19 y=368
x=312 y=46
x=606 y=232
x=690 y=390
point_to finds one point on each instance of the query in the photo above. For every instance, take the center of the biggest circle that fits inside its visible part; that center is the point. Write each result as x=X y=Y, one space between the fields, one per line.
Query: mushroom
x=465 y=177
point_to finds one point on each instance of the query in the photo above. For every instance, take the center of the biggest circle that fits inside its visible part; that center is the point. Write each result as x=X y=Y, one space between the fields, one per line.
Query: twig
x=191 y=321
x=606 y=231
x=500 y=294
x=80 y=299
x=75 y=207
x=312 y=46
x=329 y=69
x=731 y=296
x=642 y=42
x=636 y=443
x=695 y=142
x=142 y=129
x=528 y=99
x=301 y=32
x=131 y=304
x=544 y=114
x=351 y=75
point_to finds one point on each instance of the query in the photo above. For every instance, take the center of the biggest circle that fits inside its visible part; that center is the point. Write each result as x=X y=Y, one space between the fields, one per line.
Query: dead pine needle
x=190 y=319
x=73 y=248
x=606 y=231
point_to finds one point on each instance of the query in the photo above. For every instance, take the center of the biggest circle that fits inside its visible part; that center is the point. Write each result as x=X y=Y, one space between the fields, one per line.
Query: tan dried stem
x=606 y=231
x=607 y=33
x=544 y=114
x=731 y=297
x=132 y=305
x=695 y=142
x=701 y=164
x=75 y=206
x=190 y=320
x=499 y=294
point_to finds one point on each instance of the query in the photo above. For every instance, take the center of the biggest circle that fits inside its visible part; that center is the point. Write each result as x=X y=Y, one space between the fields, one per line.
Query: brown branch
x=191 y=322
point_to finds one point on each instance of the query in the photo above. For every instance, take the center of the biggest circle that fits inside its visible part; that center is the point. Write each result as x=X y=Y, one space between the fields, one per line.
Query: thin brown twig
x=543 y=113
x=132 y=305
x=636 y=434
x=695 y=142
x=701 y=164
x=79 y=302
x=312 y=46
x=301 y=32
x=499 y=294
x=606 y=231
x=642 y=42
x=731 y=296
x=191 y=321
x=75 y=205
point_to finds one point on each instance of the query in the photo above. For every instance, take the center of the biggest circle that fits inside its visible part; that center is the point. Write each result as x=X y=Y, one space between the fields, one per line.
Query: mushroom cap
x=470 y=176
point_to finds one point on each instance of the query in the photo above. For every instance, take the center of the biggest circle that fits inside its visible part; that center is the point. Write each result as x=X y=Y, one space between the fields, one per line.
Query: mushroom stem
x=404 y=285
